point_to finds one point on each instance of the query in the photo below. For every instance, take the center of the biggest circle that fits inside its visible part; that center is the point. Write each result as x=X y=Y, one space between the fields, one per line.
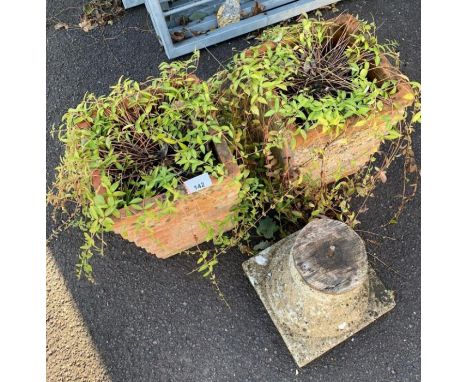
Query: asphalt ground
x=149 y=319
x=71 y=354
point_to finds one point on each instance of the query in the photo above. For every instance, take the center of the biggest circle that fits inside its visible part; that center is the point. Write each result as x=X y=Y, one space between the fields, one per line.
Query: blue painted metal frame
x=275 y=11
x=132 y=3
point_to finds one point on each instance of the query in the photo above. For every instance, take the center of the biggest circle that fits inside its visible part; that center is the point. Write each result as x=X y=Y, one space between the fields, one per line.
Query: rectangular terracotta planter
x=195 y=214
x=323 y=158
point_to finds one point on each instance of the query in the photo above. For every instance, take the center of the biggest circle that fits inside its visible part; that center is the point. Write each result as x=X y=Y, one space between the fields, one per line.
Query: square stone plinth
x=306 y=349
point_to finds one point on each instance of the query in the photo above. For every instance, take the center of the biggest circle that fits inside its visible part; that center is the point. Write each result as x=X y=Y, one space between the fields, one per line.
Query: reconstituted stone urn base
x=310 y=320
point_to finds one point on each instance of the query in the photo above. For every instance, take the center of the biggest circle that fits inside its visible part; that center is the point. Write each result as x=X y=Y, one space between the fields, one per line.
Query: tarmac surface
x=148 y=319
x=71 y=354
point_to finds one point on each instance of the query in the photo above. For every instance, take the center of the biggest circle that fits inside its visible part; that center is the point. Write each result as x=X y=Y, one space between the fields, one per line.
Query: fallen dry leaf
x=87 y=25
x=100 y=13
x=383 y=176
x=363 y=210
x=61 y=26
x=257 y=8
x=411 y=162
x=177 y=36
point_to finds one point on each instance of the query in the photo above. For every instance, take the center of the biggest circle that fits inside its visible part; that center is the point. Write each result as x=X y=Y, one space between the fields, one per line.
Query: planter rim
x=393 y=105
x=221 y=150
x=403 y=97
x=385 y=71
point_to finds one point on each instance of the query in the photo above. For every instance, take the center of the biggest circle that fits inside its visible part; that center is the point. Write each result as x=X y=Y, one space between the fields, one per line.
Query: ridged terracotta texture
x=194 y=217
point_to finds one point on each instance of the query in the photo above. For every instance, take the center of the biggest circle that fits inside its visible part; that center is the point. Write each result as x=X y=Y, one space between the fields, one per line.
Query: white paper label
x=198 y=183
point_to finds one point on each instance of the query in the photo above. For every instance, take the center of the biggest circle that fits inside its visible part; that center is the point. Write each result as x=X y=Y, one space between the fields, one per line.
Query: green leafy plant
x=142 y=140
x=309 y=74
x=267 y=228
x=302 y=77
x=139 y=141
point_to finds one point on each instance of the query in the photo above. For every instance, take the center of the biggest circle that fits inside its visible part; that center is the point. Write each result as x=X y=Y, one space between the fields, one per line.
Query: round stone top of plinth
x=330 y=256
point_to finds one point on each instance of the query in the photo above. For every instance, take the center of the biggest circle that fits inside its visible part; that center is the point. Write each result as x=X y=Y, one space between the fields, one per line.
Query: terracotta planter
x=324 y=158
x=195 y=214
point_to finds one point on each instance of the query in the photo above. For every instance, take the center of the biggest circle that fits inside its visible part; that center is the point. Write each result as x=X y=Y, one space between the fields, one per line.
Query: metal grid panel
x=205 y=32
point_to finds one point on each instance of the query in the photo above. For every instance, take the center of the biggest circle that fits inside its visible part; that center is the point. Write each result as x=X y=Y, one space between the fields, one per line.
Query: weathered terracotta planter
x=194 y=216
x=324 y=158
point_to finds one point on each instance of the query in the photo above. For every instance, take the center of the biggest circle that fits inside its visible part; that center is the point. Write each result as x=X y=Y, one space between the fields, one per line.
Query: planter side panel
x=345 y=154
x=188 y=226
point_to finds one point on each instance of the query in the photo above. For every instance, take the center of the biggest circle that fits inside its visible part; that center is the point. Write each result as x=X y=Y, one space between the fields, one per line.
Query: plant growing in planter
x=127 y=155
x=304 y=113
x=322 y=95
x=311 y=105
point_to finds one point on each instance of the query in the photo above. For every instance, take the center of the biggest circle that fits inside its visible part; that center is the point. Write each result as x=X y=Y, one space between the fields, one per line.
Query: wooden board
x=330 y=256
